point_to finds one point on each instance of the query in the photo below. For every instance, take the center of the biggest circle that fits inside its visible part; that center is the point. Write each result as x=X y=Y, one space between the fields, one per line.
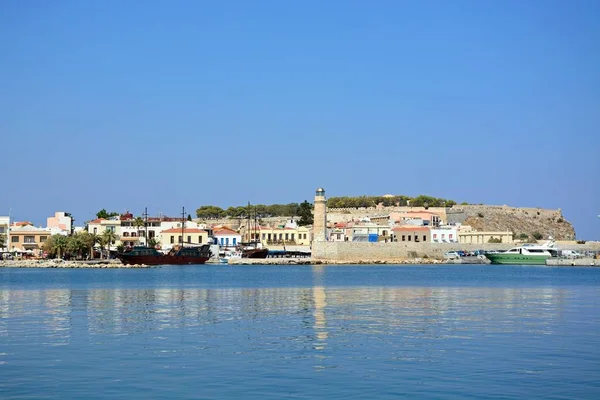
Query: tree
x=210 y=212
x=523 y=236
x=106 y=215
x=107 y=238
x=537 y=236
x=139 y=223
x=495 y=240
x=89 y=241
x=2 y=239
x=152 y=242
x=304 y=211
x=56 y=245
x=189 y=217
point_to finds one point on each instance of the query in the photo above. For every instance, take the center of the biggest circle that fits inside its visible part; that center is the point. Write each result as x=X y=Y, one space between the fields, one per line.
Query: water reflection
x=324 y=313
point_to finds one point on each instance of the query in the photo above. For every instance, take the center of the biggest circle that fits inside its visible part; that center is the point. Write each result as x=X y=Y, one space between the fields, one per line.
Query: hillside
x=518 y=220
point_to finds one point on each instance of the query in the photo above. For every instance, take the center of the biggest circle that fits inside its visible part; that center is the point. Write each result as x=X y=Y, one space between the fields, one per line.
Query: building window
x=14 y=239
x=409 y=238
x=450 y=236
x=286 y=236
x=29 y=239
x=43 y=239
x=281 y=236
x=95 y=231
x=189 y=239
x=292 y=236
x=435 y=235
x=199 y=239
x=172 y=239
x=263 y=236
x=269 y=237
x=424 y=238
x=404 y=238
x=125 y=234
x=151 y=234
x=179 y=239
x=234 y=241
x=339 y=236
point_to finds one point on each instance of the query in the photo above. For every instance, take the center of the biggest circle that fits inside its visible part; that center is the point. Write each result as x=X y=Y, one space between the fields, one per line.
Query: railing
x=281 y=242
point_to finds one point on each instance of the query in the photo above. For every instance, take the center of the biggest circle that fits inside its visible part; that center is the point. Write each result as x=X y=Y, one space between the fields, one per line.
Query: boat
x=527 y=254
x=227 y=255
x=253 y=250
x=253 y=247
x=181 y=255
x=178 y=255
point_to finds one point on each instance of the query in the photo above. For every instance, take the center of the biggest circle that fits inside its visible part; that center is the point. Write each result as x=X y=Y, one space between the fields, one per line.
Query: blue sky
x=127 y=104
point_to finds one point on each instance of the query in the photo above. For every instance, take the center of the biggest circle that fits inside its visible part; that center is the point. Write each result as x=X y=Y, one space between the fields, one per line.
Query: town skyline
x=120 y=106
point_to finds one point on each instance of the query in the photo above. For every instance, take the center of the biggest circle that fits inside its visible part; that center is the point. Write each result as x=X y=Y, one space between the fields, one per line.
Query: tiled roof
x=224 y=231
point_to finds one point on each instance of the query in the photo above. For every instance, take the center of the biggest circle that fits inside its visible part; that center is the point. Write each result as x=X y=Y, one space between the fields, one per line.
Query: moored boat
x=527 y=254
x=177 y=256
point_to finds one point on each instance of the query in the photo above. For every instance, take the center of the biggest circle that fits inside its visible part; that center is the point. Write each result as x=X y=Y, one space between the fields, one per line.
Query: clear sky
x=127 y=104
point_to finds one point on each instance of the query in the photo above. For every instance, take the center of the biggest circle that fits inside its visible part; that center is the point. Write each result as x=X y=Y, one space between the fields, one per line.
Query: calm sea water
x=214 y=332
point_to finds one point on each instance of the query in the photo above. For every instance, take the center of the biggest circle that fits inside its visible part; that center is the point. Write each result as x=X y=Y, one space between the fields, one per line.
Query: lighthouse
x=320 y=216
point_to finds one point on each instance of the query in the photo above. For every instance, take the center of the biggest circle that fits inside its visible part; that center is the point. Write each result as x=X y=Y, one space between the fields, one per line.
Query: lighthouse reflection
x=320 y=302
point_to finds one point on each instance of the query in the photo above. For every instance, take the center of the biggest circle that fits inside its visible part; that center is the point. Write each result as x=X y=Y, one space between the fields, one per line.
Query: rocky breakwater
x=66 y=264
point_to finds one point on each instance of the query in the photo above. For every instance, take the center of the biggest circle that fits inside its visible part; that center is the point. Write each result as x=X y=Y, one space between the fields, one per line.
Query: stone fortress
x=481 y=217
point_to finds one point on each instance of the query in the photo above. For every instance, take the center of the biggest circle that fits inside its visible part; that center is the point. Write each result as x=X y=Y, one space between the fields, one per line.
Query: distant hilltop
x=525 y=223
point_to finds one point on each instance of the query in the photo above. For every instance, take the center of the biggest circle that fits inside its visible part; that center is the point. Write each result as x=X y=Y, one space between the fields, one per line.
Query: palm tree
x=88 y=240
x=139 y=223
x=59 y=244
x=106 y=239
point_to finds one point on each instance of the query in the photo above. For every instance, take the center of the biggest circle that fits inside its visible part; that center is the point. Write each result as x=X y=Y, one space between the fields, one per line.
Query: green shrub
x=537 y=235
x=495 y=240
x=480 y=215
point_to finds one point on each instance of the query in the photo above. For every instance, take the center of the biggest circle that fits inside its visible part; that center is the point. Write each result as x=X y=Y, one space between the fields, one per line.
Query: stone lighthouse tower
x=320 y=217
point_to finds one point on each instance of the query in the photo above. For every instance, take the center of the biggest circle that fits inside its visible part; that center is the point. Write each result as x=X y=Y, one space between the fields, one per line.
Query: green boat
x=528 y=254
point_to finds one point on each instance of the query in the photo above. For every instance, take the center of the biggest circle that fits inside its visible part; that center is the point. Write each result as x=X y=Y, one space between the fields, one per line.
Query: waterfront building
x=226 y=238
x=415 y=234
x=5 y=232
x=285 y=235
x=62 y=221
x=475 y=237
x=369 y=232
x=173 y=237
x=444 y=234
x=28 y=239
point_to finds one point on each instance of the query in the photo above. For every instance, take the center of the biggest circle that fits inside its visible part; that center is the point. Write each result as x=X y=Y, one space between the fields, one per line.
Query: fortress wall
x=361 y=251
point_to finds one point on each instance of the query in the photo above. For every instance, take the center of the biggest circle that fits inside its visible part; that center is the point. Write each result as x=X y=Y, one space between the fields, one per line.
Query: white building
x=4 y=230
x=226 y=238
x=447 y=234
x=61 y=221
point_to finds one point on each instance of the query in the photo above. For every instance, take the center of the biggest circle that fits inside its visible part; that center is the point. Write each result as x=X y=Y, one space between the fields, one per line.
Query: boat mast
x=146 y=223
x=248 y=227
x=182 y=224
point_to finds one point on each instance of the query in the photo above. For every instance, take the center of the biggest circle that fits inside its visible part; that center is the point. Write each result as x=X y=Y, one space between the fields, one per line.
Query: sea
x=300 y=332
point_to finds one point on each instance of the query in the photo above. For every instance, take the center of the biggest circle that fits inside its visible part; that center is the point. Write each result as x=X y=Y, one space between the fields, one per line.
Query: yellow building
x=28 y=239
x=474 y=237
x=299 y=236
x=173 y=237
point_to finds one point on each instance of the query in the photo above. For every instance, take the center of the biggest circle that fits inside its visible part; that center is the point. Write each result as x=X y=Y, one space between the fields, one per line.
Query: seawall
x=391 y=251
